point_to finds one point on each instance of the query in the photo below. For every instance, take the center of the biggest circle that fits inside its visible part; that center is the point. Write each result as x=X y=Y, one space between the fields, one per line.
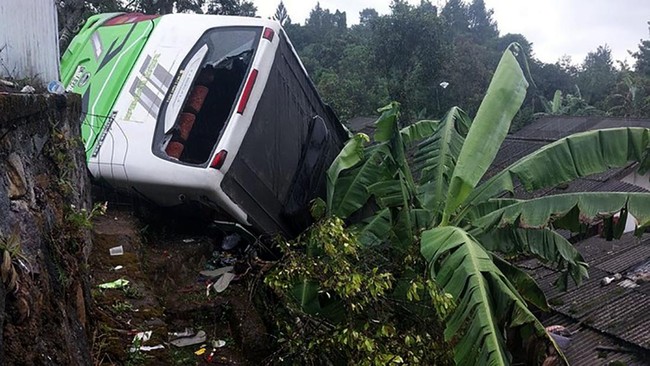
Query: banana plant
x=422 y=185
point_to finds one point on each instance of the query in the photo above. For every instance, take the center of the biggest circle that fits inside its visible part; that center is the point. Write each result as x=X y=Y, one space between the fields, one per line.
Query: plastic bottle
x=55 y=87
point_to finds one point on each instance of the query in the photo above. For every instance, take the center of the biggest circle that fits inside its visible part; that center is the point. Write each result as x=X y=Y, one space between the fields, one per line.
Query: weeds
x=121 y=307
x=60 y=150
x=183 y=356
x=131 y=292
x=82 y=219
x=10 y=254
x=136 y=357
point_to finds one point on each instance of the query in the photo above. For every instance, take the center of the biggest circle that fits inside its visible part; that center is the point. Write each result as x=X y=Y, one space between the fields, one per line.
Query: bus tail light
x=219 y=159
x=247 y=91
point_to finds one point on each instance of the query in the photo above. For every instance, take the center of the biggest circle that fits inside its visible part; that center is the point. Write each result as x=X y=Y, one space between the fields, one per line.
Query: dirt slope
x=167 y=294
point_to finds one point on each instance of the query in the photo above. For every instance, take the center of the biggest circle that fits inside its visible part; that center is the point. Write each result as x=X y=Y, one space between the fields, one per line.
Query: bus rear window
x=204 y=94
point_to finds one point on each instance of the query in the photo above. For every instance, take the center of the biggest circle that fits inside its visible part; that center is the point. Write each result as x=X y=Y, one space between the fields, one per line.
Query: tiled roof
x=612 y=323
x=557 y=127
x=602 y=315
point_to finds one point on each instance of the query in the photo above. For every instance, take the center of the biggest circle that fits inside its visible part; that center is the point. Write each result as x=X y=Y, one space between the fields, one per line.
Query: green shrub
x=346 y=303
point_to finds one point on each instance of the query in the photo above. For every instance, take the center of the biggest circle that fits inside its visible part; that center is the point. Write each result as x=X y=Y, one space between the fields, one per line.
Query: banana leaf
x=350 y=190
x=487 y=302
x=525 y=285
x=418 y=131
x=503 y=99
x=386 y=125
x=376 y=229
x=436 y=157
x=572 y=157
x=568 y=211
x=544 y=244
x=351 y=155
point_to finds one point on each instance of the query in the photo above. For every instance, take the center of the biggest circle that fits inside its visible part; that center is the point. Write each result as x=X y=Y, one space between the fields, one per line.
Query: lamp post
x=443 y=85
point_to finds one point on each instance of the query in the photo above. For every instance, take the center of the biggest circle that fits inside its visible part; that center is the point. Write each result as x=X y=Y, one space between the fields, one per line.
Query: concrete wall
x=29 y=42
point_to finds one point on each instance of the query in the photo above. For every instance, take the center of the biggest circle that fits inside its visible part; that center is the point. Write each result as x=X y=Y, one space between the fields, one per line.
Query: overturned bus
x=218 y=110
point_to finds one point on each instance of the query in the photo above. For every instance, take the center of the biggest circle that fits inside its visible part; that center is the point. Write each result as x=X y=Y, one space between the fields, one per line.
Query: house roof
x=557 y=127
x=612 y=322
x=612 y=316
x=364 y=124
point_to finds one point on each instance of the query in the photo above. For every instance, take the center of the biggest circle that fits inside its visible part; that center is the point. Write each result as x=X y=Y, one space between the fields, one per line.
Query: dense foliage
x=407 y=54
x=347 y=303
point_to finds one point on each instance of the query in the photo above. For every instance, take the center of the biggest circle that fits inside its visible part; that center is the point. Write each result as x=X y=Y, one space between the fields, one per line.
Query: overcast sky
x=555 y=27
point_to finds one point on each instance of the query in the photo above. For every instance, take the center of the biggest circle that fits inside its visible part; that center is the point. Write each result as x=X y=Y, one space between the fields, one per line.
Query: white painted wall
x=29 y=40
x=638 y=180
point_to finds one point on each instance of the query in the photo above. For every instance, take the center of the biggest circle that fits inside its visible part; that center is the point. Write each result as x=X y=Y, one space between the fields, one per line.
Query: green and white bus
x=217 y=110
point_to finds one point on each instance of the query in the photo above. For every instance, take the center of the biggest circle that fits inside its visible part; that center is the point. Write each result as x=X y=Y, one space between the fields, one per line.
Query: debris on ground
x=8 y=83
x=198 y=338
x=151 y=348
x=28 y=89
x=166 y=287
x=561 y=335
x=55 y=87
x=188 y=332
x=231 y=241
x=115 y=251
x=218 y=343
x=217 y=272
x=142 y=336
x=120 y=283
x=222 y=283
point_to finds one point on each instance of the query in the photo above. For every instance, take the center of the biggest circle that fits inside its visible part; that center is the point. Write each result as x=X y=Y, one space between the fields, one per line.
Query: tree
x=72 y=13
x=481 y=24
x=631 y=95
x=456 y=16
x=597 y=76
x=408 y=51
x=281 y=14
x=642 y=57
x=231 y=7
x=352 y=89
x=567 y=105
x=167 y=6
x=464 y=227
x=367 y=15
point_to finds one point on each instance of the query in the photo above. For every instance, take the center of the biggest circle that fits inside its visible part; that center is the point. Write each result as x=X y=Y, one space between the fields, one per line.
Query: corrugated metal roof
x=610 y=315
x=626 y=317
x=607 y=315
x=582 y=301
x=582 y=351
x=597 y=249
x=626 y=260
x=29 y=40
x=557 y=127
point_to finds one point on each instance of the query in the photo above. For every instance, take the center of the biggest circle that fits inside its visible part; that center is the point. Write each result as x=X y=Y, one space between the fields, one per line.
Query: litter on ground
x=217 y=272
x=189 y=341
x=118 y=250
x=120 y=283
x=222 y=283
x=146 y=348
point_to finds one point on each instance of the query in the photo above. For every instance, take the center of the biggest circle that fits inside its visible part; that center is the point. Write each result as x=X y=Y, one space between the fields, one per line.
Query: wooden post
x=29 y=42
